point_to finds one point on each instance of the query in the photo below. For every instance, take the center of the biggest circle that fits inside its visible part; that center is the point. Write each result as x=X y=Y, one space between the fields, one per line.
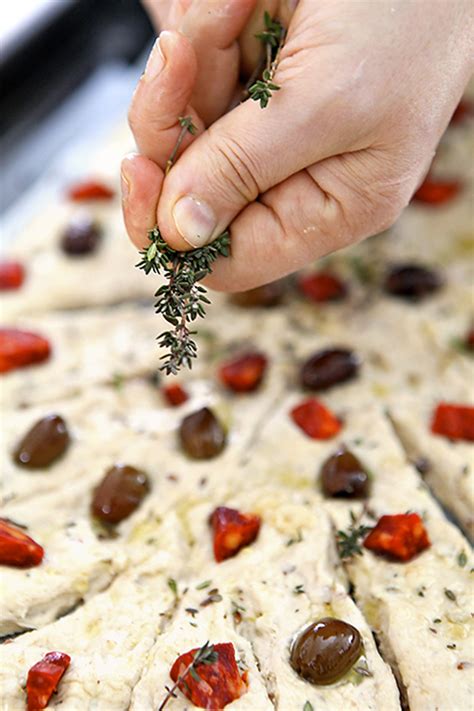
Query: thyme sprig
x=181 y=299
x=272 y=38
x=349 y=542
x=205 y=655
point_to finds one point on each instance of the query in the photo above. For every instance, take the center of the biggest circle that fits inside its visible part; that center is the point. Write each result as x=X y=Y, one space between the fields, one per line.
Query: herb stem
x=186 y=125
x=272 y=37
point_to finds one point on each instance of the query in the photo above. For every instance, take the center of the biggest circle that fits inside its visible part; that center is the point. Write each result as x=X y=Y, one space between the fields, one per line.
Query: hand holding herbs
x=334 y=157
x=182 y=299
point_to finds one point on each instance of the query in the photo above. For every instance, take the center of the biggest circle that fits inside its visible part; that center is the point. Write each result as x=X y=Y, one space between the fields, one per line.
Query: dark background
x=48 y=65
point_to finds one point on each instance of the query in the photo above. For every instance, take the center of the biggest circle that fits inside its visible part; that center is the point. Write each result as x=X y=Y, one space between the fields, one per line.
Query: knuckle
x=235 y=171
x=375 y=196
x=387 y=203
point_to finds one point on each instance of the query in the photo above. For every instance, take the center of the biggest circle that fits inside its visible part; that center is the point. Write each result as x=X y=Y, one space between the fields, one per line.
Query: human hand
x=177 y=15
x=367 y=89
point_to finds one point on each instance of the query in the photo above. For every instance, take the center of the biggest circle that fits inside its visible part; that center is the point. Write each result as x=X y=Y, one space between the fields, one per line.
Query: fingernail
x=155 y=63
x=126 y=175
x=194 y=220
x=125 y=187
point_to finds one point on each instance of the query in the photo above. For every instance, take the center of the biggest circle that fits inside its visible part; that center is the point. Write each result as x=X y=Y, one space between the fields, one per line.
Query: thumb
x=244 y=154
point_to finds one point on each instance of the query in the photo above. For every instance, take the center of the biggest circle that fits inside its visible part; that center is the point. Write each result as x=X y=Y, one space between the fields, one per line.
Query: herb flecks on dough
x=349 y=542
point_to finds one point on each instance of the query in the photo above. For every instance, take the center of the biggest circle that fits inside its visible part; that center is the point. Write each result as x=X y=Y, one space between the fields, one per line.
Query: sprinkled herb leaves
x=173 y=586
x=214 y=596
x=450 y=595
x=295 y=539
x=349 y=542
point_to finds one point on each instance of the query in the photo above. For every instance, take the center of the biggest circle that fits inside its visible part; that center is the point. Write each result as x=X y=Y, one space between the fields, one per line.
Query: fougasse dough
x=106 y=276
x=76 y=566
x=108 y=638
x=448 y=466
x=277 y=589
x=108 y=602
x=89 y=348
x=399 y=600
x=107 y=428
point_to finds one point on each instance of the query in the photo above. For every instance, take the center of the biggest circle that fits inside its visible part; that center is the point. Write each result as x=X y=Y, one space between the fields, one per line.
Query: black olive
x=264 y=296
x=80 y=237
x=343 y=475
x=45 y=442
x=202 y=435
x=329 y=367
x=411 y=281
x=119 y=493
x=325 y=651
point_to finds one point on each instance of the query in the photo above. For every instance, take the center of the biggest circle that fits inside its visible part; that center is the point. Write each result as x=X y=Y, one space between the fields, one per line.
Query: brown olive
x=45 y=442
x=264 y=296
x=343 y=475
x=202 y=435
x=411 y=281
x=329 y=367
x=80 y=237
x=325 y=651
x=119 y=493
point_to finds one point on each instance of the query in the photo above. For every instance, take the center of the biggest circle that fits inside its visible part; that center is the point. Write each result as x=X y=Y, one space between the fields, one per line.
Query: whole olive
x=411 y=281
x=202 y=435
x=80 y=237
x=45 y=442
x=343 y=475
x=329 y=367
x=264 y=296
x=325 y=651
x=119 y=493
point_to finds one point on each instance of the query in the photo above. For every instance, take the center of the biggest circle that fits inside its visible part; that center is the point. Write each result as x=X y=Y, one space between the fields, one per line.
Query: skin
x=367 y=90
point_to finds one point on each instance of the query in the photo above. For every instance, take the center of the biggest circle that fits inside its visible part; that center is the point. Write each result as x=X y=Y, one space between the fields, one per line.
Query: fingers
x=166 y=14
x=276 y=236
x=141 y=185
x=332 y=204
x=162 y=96
x=213 y=27
x=246 y=152
x=286 y=10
